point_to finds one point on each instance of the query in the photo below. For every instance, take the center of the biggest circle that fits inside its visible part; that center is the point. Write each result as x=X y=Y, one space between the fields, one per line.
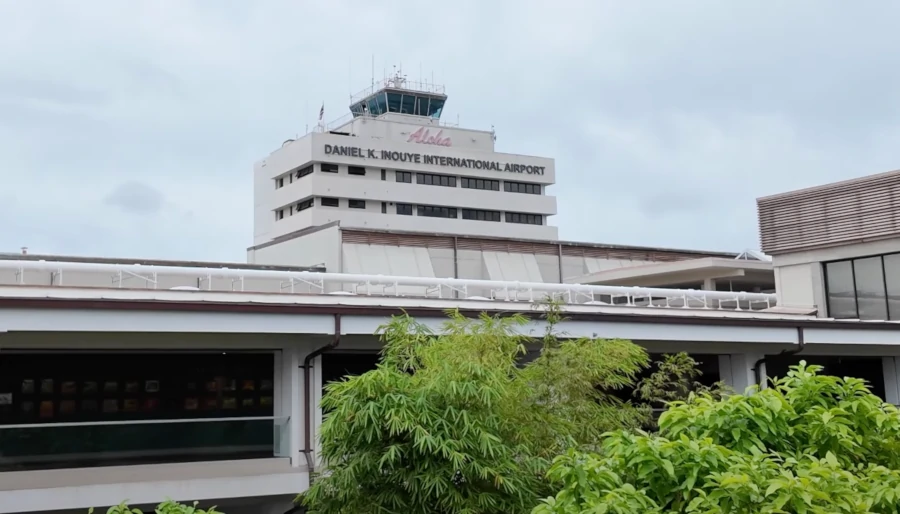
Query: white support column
x=317 y=409
x=891 y=380
x=290 y=387
x=709 y=284
x=742 y=374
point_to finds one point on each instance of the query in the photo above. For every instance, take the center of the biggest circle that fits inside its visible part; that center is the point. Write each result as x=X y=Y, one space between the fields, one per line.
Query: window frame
x=337 y=201
x=852 y=261
x=355 y=203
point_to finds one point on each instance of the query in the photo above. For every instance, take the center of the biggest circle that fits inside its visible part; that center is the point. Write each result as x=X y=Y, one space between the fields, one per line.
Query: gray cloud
x=136 y=198
x=666 y=119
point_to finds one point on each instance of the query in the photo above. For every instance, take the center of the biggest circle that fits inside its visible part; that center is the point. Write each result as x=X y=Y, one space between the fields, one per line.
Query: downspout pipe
x=801 y=343
x=307 y=392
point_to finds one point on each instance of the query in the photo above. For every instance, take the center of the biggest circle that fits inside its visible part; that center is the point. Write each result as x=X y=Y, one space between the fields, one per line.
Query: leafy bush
x=452 y=422
x=809 y=444
x=166 y=507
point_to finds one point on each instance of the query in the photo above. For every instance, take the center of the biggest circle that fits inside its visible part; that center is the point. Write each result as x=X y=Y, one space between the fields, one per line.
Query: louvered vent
x=836 y=214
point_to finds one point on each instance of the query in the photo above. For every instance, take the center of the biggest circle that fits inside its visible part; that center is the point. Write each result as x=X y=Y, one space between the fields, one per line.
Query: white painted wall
x=321 y=247
x=378 y=135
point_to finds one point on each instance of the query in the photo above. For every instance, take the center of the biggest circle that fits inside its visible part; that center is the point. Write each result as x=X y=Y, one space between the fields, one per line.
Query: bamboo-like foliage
x=452 y=422
x=810 y=444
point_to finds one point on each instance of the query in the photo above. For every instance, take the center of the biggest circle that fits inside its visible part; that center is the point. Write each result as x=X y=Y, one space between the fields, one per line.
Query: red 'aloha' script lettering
x=423 y=136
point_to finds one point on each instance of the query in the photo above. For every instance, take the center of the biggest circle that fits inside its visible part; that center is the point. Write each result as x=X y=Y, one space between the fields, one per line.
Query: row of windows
x=527 y=219
x=480 y=215
x=864 y=288
x=302 y=172
x=479 y=183
x=291 y=209
x=430 y=179
x=429 y=211
x=522 y=187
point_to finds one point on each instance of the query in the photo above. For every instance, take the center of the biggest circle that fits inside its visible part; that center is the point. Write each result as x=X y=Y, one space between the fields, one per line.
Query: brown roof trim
x=565 y=244
x=163 y=306
x=155 y=262
x=293 y=235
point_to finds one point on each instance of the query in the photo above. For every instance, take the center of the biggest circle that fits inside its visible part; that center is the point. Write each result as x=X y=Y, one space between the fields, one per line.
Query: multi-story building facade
x=394 y=165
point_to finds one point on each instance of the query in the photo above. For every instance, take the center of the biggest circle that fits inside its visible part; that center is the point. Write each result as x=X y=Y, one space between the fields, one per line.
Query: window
x=521 y=217
x=306 y=204
x=437 y=212
x=330 y=202
x=480 y=215
x=435 y=180
x=328 y=167
x=302 y=172
x=279 y=183
x=522 y=187
x=279 y=214
x=356 y=204
x=356 y=170
x=383 y=174
x=865 y=288
x=405 y=209
x=50 y=387
x=383 y=207
x=479 y=183
x=870 y=298
x=404 y=176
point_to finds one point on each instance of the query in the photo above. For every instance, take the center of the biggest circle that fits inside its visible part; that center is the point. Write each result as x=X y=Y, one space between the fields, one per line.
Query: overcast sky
x=130 y=128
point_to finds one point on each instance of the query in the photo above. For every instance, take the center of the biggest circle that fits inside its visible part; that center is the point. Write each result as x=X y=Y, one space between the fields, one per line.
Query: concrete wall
x=295 y=155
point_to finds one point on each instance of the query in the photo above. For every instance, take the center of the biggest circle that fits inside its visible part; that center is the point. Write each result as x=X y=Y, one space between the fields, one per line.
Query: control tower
x=397 y=95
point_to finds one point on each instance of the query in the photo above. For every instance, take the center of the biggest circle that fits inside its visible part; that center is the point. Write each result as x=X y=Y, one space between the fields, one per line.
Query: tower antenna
x=373 y=72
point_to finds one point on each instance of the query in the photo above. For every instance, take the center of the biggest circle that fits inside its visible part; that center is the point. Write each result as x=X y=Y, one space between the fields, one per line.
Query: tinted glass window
x=870 y=297
x=841 y=297
x=892 y=278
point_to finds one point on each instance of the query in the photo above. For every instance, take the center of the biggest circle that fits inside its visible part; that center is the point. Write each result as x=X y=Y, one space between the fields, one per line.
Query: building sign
x=423 y=136
x=434 y=160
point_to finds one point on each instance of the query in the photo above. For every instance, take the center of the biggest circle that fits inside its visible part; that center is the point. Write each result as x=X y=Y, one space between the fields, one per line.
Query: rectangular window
x=522 y=187
x=431 y=179
x=405 y=209
x=328 y=167
x=279 y=183
x=279 y=214
x=432 y=211
x=870 y=298
x=305 y=204
x=302 y=172
x=330 y=202
x=356 y=170
x=383 y=207
x=356 y=204
x=527 y=219
x=383 y=174
x=404 y=176
x=480 y=215
x=892 y=280
x=480 y=183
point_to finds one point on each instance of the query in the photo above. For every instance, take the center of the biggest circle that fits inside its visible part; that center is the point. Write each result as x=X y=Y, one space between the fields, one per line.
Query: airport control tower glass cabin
x=399 y=96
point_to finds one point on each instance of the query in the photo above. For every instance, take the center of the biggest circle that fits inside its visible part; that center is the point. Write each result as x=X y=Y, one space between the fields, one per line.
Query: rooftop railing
x=55 y=273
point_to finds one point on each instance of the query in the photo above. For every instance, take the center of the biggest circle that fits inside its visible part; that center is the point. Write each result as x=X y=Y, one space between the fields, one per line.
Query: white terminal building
x=392 y=164
x=141 y=380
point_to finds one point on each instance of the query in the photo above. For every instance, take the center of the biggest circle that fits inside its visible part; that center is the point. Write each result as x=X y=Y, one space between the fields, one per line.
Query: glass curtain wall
x=864 y=288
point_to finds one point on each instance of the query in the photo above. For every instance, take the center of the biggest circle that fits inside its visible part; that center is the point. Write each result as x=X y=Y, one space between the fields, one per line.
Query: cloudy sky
x=130 y=128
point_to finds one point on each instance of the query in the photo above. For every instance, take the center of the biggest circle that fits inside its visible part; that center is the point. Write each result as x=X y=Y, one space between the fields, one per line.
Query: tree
x=808 y=444
x=453 y=422
x=166 y=507
x=675 y=379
